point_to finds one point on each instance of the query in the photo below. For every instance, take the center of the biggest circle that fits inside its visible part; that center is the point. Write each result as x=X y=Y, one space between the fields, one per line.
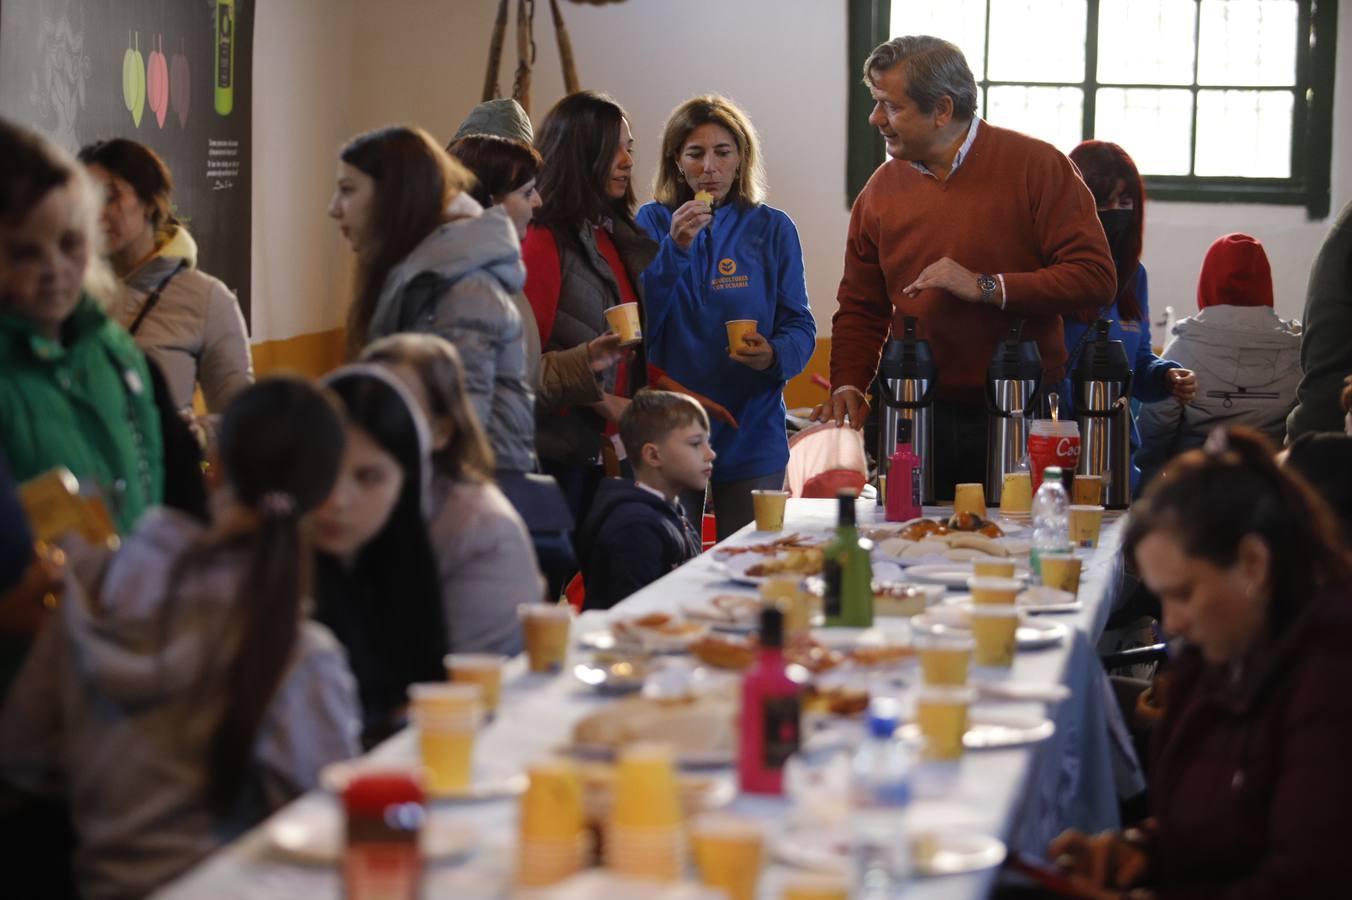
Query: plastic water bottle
x=880 y=793
x=1051 y=522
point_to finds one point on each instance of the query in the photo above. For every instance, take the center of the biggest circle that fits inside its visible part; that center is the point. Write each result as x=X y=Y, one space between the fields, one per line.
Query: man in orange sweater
x=967 y=227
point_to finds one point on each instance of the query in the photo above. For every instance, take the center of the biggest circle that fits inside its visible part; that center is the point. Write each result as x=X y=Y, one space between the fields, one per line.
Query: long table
x=1024 y=795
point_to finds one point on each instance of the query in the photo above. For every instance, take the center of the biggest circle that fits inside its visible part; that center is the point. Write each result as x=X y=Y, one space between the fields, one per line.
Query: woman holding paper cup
x=584 y=255
x=727 y=301
x=1249 y=780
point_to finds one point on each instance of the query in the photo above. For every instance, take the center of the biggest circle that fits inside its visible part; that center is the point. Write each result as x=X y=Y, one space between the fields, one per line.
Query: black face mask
x=1116 y=225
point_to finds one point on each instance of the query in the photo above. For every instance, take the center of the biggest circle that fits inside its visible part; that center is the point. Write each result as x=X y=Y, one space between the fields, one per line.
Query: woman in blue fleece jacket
x=729 y=257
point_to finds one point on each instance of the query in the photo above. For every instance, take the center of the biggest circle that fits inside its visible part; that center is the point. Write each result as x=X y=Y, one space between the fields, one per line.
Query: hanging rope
x=491 y=89
x=570 y=83
x=525 y=52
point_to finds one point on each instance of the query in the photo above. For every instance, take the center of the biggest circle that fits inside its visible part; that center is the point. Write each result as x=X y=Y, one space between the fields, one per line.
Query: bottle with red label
x=771 y=713
x=903 y=478
x=382 y=859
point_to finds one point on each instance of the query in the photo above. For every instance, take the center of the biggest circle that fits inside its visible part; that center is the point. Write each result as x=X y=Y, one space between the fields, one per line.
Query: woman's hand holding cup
x=754 y=351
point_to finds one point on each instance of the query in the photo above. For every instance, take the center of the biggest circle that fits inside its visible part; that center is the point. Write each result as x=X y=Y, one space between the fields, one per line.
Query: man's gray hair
x=934 y=69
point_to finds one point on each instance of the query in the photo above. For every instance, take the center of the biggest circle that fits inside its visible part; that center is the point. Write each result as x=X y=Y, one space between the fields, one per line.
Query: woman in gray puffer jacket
x=1247 y=359
x=430 y=259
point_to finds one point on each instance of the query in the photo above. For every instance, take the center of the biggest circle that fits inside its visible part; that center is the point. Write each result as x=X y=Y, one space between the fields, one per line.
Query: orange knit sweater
x=1017 y=207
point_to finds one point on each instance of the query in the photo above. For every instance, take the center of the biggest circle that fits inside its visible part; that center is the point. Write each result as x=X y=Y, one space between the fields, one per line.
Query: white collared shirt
x=957 y=157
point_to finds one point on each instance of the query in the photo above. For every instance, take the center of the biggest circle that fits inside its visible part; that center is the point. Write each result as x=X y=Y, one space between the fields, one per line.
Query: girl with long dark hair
x=1119 y=193
x=430 y=259
x=182 y=694
x=378 y=585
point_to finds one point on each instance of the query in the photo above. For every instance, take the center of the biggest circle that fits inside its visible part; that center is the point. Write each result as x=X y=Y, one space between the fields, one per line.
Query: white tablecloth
x=1024 y=795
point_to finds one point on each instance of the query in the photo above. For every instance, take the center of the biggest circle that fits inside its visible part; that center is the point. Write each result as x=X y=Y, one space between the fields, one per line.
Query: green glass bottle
x=848 y=598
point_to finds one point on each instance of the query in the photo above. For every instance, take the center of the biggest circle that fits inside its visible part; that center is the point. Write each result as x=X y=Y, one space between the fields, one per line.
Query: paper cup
x=944 y=660
x=551 y=807
x=624 y=321
x=729 y=853
x=987 y=590
x=545 y=628
x=1016 y=494
x=1061 y=571
x=1086 y=521
x=995 y=629
x=941 y=714
x=483 y=669
x=969 y=497
x=646 y=793
x=737 y=329
x=769 y=507
x=815 y=886
x=1087 y=490
x=447 y=717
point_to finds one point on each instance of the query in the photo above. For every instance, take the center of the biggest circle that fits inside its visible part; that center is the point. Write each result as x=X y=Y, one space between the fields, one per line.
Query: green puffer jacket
x=70 y=403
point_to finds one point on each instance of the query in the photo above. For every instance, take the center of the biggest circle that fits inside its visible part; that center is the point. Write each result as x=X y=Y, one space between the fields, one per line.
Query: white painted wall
x=327 y=70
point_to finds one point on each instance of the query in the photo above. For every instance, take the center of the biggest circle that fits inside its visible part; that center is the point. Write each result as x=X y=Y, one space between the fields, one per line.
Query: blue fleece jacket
x=1148 y=382
x=746 y=264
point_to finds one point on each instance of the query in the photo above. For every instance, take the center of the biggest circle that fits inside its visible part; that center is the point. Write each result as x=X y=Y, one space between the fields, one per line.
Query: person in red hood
x=1246 y=357
x=1249 y=781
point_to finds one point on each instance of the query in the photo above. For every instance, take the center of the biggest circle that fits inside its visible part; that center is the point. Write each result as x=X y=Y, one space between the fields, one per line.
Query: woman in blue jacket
x=1119 y=193
x=726 y=255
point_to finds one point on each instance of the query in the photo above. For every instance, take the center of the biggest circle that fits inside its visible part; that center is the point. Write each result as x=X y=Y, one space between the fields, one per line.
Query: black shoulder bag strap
x=155 y=297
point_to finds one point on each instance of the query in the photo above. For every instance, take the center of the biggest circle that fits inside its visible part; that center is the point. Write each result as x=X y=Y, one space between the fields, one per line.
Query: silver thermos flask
x=907 y=378
x=1102 y=386
x=1013 y=386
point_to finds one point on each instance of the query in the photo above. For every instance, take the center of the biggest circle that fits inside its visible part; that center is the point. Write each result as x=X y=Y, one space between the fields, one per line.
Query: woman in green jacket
x=74 y=389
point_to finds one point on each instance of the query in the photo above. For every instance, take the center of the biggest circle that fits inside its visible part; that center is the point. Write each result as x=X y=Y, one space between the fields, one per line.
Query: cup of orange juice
x=447 y=717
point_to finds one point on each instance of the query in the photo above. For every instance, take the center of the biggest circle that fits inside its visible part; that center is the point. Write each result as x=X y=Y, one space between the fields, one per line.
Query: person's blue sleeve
x=16 y=541
x=1151 y=384
x=665 y=285
x=795 y=330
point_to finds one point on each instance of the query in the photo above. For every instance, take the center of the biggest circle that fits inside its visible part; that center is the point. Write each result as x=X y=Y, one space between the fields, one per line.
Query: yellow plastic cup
x=1016 y=493
x=545 y=627
x=1061 y=571
x=944 y=660
x=483 y=669
x=769 y=508
x=737 y=329
x=447 y=717
x=1086 y=521
x=646 y=793
x=729 y=853
x=1087 y=490
x=941 y=714
x=970 y=497
x=987 y=590
x=624 y=320
x=993 y=568
x=551 y=807
x=995 y=629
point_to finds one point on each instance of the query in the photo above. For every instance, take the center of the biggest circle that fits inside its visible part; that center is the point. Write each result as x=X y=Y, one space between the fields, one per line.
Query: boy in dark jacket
x=636 y=532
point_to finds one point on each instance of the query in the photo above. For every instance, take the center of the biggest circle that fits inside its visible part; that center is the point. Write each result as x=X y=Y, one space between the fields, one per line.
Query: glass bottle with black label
x=847 y=600
x=771 y=709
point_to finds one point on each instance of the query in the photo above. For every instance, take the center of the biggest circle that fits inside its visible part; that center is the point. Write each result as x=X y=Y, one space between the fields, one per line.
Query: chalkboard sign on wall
x=175 y=75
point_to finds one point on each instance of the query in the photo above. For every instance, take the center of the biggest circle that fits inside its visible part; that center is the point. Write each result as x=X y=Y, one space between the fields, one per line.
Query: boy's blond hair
x=652 y=415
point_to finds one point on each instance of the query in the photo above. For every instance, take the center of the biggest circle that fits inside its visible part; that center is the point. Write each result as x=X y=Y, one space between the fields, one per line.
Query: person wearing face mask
x=726 y=255
x=186 y=321
x=494 y=143
x=1119 y=194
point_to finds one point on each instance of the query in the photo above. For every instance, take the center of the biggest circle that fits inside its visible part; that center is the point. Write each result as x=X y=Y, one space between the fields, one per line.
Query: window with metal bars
x=1216 y=100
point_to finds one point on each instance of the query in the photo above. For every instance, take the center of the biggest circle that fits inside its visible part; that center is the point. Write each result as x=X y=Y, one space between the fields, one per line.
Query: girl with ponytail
x=1248 y=777
x=183 y=695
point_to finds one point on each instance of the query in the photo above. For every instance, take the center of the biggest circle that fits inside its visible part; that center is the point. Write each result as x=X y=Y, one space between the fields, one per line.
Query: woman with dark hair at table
x=1249 y=781
x=1119 y=194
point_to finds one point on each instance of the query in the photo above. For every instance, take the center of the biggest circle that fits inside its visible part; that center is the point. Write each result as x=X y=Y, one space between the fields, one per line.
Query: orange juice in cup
x=483 y=669
x=941 y=714
x=545 y=627
x=625 y=321
x=729 y=853
x=995 y=629
x=993 y=590
x=769 y=509
x=944 y=659
x=446 y=716
x=1087 y=490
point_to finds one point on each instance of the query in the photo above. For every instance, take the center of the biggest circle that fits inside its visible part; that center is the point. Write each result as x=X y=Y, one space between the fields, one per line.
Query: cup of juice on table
x=545 y=627
x=447 y=717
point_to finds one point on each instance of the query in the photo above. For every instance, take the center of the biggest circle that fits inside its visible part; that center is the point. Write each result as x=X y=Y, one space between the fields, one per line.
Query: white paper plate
x=1032 y=633
x=989 y=730
x=702 y=609
x=956 y=574
x=1035 y=599
x=315 y=834
x=689 y=759
x=491 y=781
x=943 y=851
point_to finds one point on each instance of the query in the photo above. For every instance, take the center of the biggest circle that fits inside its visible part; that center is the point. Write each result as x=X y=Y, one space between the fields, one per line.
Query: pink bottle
x=903 y=478
x=771 y=709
